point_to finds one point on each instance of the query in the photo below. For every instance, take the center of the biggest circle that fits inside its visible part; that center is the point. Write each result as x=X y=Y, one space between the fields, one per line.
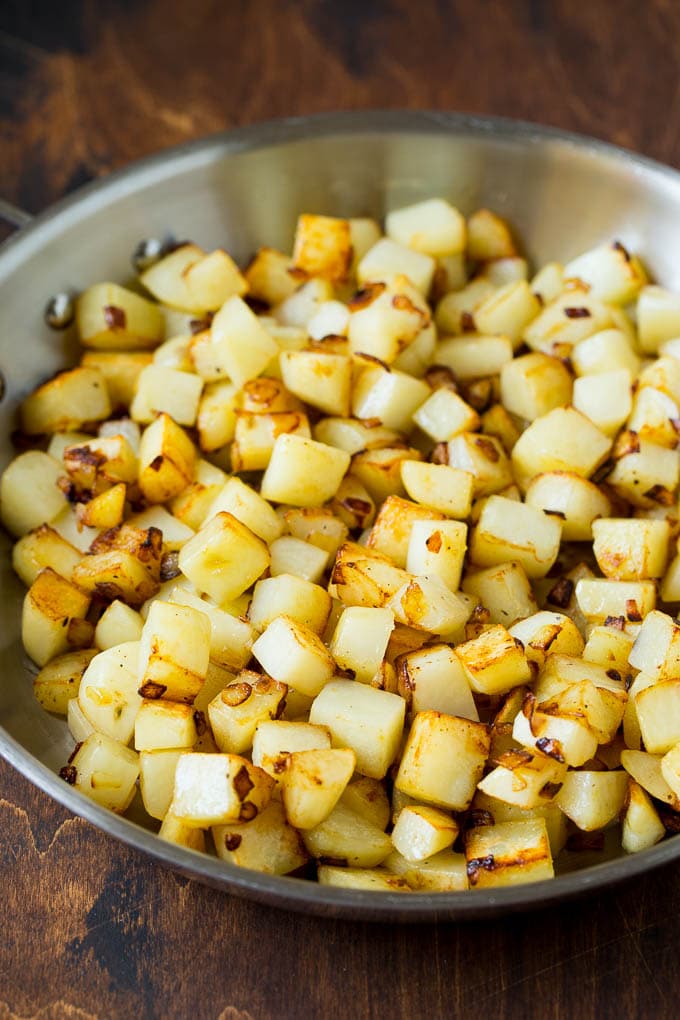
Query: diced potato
x=174 y=652
x=574 y=500
x=322 y=247
x=370 y=879
x=105 y=510
x=524 y=779
x=658 y=712
x=239 y=708
x=313 y=782
x=555 y=732
x=241 y=347
x=353 y=435
x=439 y=487
x=211 y=789
x=437 y=548
x=509 y=853
x=29 y=495
x=294 y=655
x=164 y=725
x=489 y=236
x=53 y=611
x=166 y=460
x=379 y=470
x=302 y=559
x=434 y=741
x=173 y=830
x=43 y=547
x=609 y=647
x=433 y=679
x=652 y=414
x=427 y=604
x=445 y=872
x=163 y=389
x=508 y=311
x=320 y=378
x=534 y=384
x=546 y=633
x=610 y=273
x=474 y=356
x=360 y=640
x=391 y=532
x=388 y=395
x=120 y=369
x=657 y=647
x=317 y=525
x=433 y=226
x=368 y=798
x=118 y=624
x=224 y=558
x=508 y=530
x=303 y=472
x=330 y=320
x=421 y=832
x=274 y=740
x=367 y=720
x=109 y=316
x=504 y=591
x=346 y=836
x=286 y=595
x=157 y=780
x=389 y=321
x=297 y=309
x=268 y=276
x=573 y=316
x=606 y=399
x=58 y=682
x=658 y=316
x=67 y=402
x=641 y=825
x=645 y=474
x=248 y=507
x=645 y=769
x=362 y=577
x=444 y=414
x=561 y=440
x=108 y=694
x=266 y=843
x=632 y=600
x=256 y=434
x=631 y=550
x=193 y=281
x=216 y=416
x=670 y=768
x=494 y=662
x=593 y=799
x=105 y=771
x=387 y=259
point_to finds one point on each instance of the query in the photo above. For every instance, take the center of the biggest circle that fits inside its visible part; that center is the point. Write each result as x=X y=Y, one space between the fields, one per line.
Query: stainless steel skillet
x=243 y=189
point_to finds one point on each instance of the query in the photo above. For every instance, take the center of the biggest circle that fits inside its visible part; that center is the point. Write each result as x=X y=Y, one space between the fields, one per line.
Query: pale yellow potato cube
x=118 y=624
x=160 y=388
x=353 y=435
x=426 y=603
x=504 y=590
x=548 y=281
x=174 y=353
x=561 y=735
x=322 y=379
x=53 y=612
x=573 y=500
x=174 y=652
x=331 y=319
x=231 y=635
x=287 y=595
x=268 y=276
x=317 y=525
x=110 y=316
x=43 y=547
x=434 y=741
x=213 y=279
x=211 y=789
x=266 y=843
x=605 y=398
x=433 y=679
x=658 y=712
x=345 y=836
x=242 y=347
x=653 y=415
x=670 y=585
x=474 y=356
x=313 y=782
x=445 y=872
x=237 y=710
x=456 y=309
x=274 y=740
x=387 y=258
x=534 y=384
x=371 y=879
x=598 y=599
x=379 y=470
x=562 y=440
x=508 y=853
x=58 y=682
x=216 y=416
x=368 y=798
x=508 y=530
x=658 y=317
x=224 y=558
x=108 y=693
x=157 y=780
x=610 y=273
x=631 y=550
x=388 y=395
x=421 y=832
x=164 y=725
x=301 y=559
x=66 y=402
x=120 y=369
x=670 y=768
x=546 y=633
x=508 y=311
x=360 y=640
x=645 y=474
x=173 y=830
x=484 y=458
x=444 y=414
x=609 y=647
x=573 y=316
x=601 y=707
x=641 y=825
x=439 y=487
x=656 y=651
x=303 y=472
x=256 y=434
x=645 y=769
x=437 y=548
x=294 y=655
x=494 y=662
x=386 y=321
x=166 y=460
x=607 y=350
x=391 y=532
x=489 y=236
x=297 y=309
x=248 y=507
x=432 y=226
x=524 y=779
x=368 y=720
x=104 y=770
x=593 y=799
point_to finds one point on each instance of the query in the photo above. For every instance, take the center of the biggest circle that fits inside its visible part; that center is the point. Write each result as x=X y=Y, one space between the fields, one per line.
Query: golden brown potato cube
x=373 y=879
x=174 y=652
x=322 y=247
x=445 y=872
x=241 y=706
x=434 y=741
x=108 y=696
x=98 y=463
x=224 y=558
x=71 y=399
x=389 y=395
x=433 y=226
x=216 y=418
x=52 y=606
x=118 y=623
x=120 y=369
x=111 y=317
x=58 y=682
x=166 y=460
x=641 y=825
x=494 y=662
x=379 y=470
x=546 y=633
x=509 y=853
x=173 y=830
x=508 y=311
x=645 y=474
x=213 y=789
x=40 y=548
x=556 y=732
x=313 y=782
x=116 y=574
x=427 y=604
x=105 y=510
x=504 y=591
x=391 y=531
x=362 y=577
x=267 y=843
x=484 y=458
x=489 y=237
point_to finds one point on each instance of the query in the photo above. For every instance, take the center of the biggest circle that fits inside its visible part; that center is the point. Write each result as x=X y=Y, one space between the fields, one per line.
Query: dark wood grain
x=93 y=929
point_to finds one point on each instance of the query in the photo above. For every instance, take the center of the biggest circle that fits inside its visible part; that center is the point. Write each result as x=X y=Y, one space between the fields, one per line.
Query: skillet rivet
x=60 y=310
x=147 y=253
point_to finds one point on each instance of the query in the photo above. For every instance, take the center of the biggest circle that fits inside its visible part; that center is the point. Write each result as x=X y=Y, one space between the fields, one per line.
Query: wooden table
x=92 y=929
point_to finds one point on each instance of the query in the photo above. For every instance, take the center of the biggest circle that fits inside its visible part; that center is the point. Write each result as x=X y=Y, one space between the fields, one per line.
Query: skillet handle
x=13 y=215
